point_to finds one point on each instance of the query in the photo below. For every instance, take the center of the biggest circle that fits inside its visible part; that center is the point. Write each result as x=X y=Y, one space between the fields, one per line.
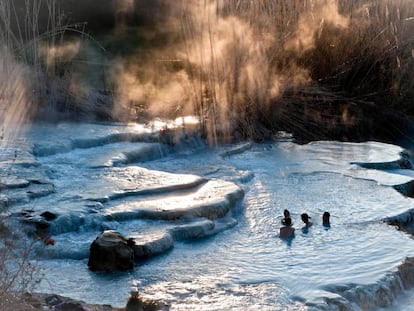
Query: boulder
x=139 y=303
x=48 y=215
x=111 y=252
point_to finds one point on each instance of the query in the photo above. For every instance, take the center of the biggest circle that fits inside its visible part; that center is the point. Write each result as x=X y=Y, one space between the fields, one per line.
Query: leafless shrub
x=17 y=274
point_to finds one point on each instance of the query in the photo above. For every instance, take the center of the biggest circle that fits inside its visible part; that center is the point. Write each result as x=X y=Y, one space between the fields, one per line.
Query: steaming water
x=100 y=170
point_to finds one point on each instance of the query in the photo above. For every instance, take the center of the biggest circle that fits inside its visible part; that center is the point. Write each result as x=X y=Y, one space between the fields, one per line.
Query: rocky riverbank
x=44 y=302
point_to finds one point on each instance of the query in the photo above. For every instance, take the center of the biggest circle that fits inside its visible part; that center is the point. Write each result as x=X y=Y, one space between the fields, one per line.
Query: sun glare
x=15 y=97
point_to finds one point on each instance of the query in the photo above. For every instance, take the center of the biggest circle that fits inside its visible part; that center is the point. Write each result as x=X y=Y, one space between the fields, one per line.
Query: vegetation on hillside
x=317 y=68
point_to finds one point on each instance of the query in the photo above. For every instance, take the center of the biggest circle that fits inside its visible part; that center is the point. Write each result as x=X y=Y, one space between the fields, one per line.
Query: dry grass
x=17 y=273
x=235 y=63
x=45 y=68
x=254 y=56
x=21 y=73
x=248 y=68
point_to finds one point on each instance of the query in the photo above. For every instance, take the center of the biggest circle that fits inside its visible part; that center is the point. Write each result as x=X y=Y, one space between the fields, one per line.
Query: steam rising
x=225 y=61
x=311 y=23
x=61 y=53
x=122 y=9
x=15 y=96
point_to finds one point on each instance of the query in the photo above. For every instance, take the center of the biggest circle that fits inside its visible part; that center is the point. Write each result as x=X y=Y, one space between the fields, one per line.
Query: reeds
x=237 y=64
x=21 y=66
x=253 y=55
x=22 y=86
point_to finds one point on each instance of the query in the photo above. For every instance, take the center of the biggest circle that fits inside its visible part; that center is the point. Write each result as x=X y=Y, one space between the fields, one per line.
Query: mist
x=245 y=69
x=15 y=96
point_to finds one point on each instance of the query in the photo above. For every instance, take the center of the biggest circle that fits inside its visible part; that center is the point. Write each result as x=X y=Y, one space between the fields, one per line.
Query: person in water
x=326 y=219
x=286 y=214
x=287 y=231
x=305 y=218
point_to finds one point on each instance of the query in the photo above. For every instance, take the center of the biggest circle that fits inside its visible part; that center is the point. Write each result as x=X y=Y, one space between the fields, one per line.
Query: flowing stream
x=220 y=209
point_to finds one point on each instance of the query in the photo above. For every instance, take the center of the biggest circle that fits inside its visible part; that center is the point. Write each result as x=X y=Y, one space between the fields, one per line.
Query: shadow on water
x=288 y=241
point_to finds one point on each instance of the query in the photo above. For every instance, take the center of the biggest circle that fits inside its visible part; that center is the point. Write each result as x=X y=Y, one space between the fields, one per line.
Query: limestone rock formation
x=111 y=252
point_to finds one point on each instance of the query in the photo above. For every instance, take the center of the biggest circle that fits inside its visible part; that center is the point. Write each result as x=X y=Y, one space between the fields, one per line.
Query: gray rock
x=152 y=244
x=192 y=231
x=48 y=215
x=111 y=252
x=69 y=306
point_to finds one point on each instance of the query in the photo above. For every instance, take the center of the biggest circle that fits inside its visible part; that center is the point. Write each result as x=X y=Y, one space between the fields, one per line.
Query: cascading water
x=225 y=252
